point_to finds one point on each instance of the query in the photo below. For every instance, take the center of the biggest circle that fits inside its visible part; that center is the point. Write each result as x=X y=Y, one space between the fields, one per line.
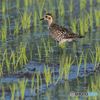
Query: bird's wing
x=64 y=32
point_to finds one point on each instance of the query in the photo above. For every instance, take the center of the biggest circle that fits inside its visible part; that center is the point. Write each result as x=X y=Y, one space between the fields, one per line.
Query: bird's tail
x=82 y=36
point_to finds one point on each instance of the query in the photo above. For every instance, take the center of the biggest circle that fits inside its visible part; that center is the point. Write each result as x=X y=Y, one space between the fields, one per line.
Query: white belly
x=65 y=40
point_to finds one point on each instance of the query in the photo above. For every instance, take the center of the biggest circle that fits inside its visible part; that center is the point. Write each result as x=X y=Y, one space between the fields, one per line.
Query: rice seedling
x=17 y=4
x=22 y=85
x=71 y=6
x=47 y=75
x=82 y=4
x=40 y=6
x=64 y=68
x=53 y=76
x=97 y=58
x=26 y=3
x=91 y=19
x=4 y=30
x=63 y=45
x=81 y=26
x=1 y=70
x=13 y=58
x=92 y=56
x=50 y=6
x=60 y=6
x=3 y=8
x=50 y=46
x=97 y=17
x=9 y=24
x=23 y=58
x=93 y=88
x=79 y=64
x=67 y=66
x=86 y=26
x=41 y=82
x=61 y=70
x=39 y=51
x=98 y=1
x=8 y=61
x=25 y=20
x=48 y=95
x=91 y=2
x=35 y=18
x=1 y=64
x=17 y=27
x=12 y=89
x=15 y=63
x=69 y=97
x=38 y=74
x=85 y=61
x=30 y=2
x=3 y=57
x=73 y=25
x=31 y=54
x=46 y=51
x=32 y=84
x=17 y=94
x=3 y=93
x=77 y=98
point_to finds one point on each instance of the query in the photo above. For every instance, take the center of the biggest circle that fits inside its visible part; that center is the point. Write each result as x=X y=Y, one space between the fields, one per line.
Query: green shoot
x=98 y=1
x=81 y=26
x=12 y=88
x=79 y=64
x=97 y=17
x=47 y=75
x=71 y=6
x=91 y=19
x=82 y=4
x=85 y=61
x=32 y=84
x=17 y=4
x=39 y=51
x=67 y=66
x=91 y=2
x=73 y=25
x=3 y=93
x=25 y=20
x=46 y=51
x=38 y=74
x=26 y=3
x=22 y=85
x=86 y=26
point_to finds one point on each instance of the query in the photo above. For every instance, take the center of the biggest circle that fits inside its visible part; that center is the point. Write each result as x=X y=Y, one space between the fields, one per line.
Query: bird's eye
x=45 y=16
x=49 y=18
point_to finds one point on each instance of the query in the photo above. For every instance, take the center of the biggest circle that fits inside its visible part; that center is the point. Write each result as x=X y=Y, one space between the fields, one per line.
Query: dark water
x=33 y=36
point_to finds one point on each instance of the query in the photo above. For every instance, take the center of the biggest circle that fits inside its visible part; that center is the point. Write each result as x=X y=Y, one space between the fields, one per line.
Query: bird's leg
x=76 y=47
x=61 y=49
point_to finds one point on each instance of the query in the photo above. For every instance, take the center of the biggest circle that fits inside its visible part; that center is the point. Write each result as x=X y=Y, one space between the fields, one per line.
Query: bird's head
x=49 y=18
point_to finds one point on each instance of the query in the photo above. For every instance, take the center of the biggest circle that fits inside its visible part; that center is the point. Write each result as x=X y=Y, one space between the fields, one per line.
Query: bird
x=59 y=33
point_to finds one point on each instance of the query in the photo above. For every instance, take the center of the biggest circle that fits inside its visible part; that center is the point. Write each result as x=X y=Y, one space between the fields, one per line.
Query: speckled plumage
x=59 y=33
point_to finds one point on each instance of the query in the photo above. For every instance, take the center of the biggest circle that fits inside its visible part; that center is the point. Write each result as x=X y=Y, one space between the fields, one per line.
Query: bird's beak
x=42 y=19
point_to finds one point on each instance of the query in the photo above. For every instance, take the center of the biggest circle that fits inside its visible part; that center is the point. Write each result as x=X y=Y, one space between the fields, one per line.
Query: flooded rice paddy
x=31 y=64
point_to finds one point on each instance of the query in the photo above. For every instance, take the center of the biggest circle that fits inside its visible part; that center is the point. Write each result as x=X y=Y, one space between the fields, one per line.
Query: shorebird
x=59 y=33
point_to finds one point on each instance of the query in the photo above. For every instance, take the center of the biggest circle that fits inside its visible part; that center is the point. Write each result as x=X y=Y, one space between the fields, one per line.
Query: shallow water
x=32 y=37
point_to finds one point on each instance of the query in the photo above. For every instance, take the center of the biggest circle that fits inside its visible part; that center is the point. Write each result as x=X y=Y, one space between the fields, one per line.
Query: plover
x=59 y=33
